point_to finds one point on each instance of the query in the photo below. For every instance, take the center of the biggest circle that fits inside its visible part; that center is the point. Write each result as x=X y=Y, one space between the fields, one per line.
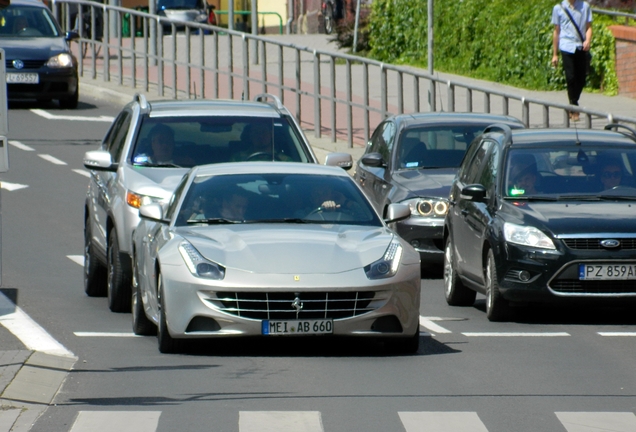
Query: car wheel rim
x=448 y=269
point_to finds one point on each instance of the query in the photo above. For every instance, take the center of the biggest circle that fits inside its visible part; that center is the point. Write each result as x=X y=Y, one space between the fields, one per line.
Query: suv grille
x=595 y=243
x=278 y=305
x=575 y=286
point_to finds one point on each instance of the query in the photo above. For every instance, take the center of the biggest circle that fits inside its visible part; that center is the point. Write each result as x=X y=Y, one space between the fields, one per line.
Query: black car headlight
x=388 y=265
x=527 y=236
x=428 y=207
x=63 y=60
x=198 y=265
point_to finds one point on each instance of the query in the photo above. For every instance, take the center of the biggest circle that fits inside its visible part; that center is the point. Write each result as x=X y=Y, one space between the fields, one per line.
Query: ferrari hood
x=290 y=249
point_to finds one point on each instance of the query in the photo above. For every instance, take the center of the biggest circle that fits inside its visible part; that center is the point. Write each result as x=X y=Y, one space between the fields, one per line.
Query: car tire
x=141 y=325
x=119 y=283
x=328 y=19
x=94 y=272
x=404 y=345
x=497 y=308
x=454 y=290
x=167 y=344
x=70 y=102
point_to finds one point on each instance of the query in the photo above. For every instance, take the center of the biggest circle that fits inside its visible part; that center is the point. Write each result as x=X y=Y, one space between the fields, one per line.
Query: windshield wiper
x=282 y=220
x=213 y=221
x=532 y=198
x=165 y=165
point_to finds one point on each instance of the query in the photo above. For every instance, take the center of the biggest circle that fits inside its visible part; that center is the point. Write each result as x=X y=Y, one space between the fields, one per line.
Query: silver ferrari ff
x=273 y=250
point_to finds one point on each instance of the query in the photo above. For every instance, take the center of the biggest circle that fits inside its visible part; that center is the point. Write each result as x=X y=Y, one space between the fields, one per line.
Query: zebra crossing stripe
x=280 y=421
x=120 y=421
x=441 y=422
x=597 y=421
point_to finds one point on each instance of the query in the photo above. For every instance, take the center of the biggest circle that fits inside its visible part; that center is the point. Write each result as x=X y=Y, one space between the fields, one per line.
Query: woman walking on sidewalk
x=572 y=36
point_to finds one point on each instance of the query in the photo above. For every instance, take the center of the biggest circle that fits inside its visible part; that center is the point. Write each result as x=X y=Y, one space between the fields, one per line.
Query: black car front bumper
x=53 y=84
x=426 y=235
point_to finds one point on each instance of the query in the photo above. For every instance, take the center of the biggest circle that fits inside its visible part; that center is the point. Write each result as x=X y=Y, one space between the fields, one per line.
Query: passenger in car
x=259 y=144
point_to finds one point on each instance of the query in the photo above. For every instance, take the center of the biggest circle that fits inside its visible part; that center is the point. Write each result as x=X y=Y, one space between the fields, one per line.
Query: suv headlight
x=388 y=265
x=63 y=60
x=427 y=207
x=527 y=236
x=136 y=200
x=198 y=265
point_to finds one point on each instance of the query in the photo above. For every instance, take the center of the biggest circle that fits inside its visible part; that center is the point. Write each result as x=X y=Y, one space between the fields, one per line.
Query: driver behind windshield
x=259 y=143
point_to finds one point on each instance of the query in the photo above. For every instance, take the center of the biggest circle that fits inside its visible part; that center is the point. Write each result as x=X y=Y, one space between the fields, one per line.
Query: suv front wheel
x=119 y=280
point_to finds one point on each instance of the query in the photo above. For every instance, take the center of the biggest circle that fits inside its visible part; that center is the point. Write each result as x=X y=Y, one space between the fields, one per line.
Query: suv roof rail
x=500 y=127
x=617 y=126
x=263 y=97
x=143 y=102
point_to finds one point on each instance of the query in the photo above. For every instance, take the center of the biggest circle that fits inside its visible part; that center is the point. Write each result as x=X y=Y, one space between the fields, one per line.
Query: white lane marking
x=105 y=334
x=83 y=172
x=30 y=333
x=442 y=422
x=77 y=259
x=280 y=421
x=120 y=421
x=18 y=144
x=625 y=334
x=49 y=116
x=52 y=159
x=516 y=334
x=12 y=186
x=597 y=421
x=427 y=322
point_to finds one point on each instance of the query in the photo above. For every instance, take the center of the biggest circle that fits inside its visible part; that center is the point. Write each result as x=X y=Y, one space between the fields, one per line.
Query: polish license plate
x=296 y=327
x=23 y=78
x=607 y=271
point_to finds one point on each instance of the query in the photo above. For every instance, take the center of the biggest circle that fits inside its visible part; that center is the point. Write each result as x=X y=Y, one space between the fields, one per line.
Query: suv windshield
x=587 y=172
x=196 y=140
x=27 y=21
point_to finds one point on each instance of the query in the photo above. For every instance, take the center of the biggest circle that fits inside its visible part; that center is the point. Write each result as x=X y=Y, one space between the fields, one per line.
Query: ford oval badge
x=610 y=243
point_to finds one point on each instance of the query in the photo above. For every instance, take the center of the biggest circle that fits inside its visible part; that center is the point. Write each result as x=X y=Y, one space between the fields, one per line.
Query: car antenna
x=576 y=131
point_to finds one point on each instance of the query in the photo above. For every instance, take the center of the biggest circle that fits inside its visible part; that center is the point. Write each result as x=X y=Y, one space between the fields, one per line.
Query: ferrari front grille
x=291 y=306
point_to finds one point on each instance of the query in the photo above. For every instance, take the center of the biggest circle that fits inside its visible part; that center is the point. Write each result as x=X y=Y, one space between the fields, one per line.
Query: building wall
x=625 y=59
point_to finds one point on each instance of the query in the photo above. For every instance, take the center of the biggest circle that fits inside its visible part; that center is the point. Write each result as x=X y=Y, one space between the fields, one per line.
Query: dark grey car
x=412 y=159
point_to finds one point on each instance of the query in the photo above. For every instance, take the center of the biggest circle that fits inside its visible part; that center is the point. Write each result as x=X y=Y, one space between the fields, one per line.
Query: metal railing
x=331 y=93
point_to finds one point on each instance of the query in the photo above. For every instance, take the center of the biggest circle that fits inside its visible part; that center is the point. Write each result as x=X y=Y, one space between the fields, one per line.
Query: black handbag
x=588 y=54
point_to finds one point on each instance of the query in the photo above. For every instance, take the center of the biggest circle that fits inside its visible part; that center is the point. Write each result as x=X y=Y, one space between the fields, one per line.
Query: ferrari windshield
x=275 y=198
x=571 y=173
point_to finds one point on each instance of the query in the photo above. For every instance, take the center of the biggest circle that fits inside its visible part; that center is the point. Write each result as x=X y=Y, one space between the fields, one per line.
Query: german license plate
x=297 y=327
x=607 y=271
x=23 y=78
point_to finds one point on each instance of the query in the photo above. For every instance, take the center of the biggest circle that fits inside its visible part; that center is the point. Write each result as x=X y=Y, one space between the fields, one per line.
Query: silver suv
x=148 y=149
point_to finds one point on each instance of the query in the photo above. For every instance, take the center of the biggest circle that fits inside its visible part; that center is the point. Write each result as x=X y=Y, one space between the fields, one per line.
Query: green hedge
x=507 y=41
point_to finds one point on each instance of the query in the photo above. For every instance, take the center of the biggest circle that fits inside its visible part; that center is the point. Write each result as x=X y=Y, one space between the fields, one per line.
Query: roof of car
x=37 y=3
x=268 y=168
x=212 y=107
x=454 y=117
x=584 y=136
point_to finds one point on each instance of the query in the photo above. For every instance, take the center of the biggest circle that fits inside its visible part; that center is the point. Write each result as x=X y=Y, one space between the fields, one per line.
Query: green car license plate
x=23 y=78
x=607 y=271
x=296 y=327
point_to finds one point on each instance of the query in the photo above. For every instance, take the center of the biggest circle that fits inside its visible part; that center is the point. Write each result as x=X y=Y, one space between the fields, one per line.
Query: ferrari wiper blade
x=213 y=221
x=282 y=220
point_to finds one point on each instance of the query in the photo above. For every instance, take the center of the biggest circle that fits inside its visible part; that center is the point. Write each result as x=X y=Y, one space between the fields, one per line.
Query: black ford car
x=412 y=159
x=38 y=59
x=543 y=216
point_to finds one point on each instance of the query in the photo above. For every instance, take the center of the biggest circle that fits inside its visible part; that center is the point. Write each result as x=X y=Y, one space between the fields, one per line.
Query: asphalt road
x=551 y=370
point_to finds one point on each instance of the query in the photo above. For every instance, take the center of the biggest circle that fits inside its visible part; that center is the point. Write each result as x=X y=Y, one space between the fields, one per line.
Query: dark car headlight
x=388 y=265
x=428 y=207
x=527 y=236
x=198 y=265
x=63 y=60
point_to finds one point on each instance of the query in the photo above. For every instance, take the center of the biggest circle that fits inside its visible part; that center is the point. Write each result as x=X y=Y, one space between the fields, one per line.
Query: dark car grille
x=28 y=64
x=278 y=305
x=575 y=286
x=595 y=243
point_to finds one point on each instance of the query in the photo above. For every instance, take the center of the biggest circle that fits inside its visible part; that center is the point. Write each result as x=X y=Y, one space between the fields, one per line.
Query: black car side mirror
x=71 y=35
x=373 y=160
x=474 y=192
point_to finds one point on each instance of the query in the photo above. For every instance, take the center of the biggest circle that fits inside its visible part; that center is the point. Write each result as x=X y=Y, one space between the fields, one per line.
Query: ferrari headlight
x=427 y=207
x=198 y=265
x=63 y=60
x=136 y=200
x=388 y=265
x=527 y=236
